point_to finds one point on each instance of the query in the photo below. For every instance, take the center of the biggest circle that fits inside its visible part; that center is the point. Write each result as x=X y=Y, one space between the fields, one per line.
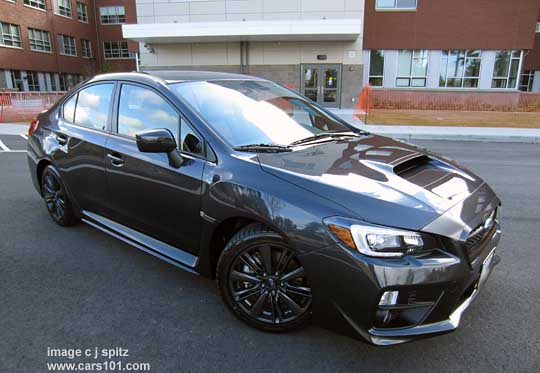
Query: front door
x=322 y=84
x=146 y=193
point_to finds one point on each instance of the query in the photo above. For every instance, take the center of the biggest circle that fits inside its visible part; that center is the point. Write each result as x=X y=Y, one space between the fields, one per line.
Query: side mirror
x=159 y=141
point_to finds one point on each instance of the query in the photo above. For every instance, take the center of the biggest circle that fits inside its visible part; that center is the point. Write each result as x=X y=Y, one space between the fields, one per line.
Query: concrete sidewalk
x=13 y=128
x=488 y=134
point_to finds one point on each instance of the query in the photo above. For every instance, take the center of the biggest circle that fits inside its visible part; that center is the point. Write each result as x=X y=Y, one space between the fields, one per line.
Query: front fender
x=252 y=194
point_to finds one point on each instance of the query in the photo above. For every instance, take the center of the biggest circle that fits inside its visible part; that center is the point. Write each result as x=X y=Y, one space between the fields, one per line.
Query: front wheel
x=262 y=281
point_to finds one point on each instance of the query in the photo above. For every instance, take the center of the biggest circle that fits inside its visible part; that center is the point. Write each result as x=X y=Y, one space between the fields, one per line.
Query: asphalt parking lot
x=79 y=288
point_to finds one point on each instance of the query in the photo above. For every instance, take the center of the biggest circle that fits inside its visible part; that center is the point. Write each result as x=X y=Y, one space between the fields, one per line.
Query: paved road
x=79 y=288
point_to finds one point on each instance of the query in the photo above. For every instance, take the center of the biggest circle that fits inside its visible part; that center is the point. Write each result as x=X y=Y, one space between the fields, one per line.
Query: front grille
x=478 y=236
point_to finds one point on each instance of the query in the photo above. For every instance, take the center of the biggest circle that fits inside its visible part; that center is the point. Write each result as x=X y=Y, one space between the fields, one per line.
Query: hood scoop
x=410 y=166
x=436 y=176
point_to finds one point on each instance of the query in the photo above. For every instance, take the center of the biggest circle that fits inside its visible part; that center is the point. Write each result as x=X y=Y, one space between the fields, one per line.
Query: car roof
x=171 y=76
x=198 y=75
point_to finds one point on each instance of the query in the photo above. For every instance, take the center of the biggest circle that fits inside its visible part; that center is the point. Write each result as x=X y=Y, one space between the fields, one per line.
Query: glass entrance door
x=322 y=84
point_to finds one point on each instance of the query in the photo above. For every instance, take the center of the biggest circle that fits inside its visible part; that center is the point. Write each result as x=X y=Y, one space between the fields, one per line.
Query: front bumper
x=342 y=306
x=389 y=337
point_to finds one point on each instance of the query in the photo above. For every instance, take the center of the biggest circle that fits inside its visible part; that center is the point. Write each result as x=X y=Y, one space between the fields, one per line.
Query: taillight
x=33 y=126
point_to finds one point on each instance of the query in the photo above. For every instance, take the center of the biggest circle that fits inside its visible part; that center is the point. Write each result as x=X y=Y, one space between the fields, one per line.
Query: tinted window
x=69 y=109
x=93 y=106
x=141 y=109
x=190 y=141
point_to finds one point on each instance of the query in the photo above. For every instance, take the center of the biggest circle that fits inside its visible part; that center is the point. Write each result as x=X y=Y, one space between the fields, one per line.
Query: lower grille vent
x=479 y=235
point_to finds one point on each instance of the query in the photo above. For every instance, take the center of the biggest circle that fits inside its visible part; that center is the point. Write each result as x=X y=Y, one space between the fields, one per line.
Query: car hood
x=379 y=179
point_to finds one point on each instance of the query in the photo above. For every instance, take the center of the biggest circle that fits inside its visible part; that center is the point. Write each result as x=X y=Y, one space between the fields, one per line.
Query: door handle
x=62 y=139
x=116 y=160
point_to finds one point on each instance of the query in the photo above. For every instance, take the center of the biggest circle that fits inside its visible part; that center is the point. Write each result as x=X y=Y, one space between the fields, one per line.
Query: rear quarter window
x=93 y=103
x=69 y=109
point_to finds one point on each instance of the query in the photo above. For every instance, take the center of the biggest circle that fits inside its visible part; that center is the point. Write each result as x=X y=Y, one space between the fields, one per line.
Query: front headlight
x=377 y=241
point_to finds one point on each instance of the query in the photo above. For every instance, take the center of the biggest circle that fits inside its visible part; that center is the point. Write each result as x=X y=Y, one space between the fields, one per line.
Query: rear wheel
x=263 y=282
x=56 y=199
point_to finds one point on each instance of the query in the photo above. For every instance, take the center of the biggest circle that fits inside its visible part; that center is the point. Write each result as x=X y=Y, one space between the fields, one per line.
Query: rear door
x=84 y=124
x=145 y=192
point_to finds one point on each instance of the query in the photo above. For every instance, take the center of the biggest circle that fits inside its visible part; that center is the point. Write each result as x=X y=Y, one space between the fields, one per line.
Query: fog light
x=389 y=298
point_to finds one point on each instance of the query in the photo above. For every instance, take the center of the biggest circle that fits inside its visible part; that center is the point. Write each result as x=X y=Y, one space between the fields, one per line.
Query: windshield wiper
x=325 y=135
x=268 y=148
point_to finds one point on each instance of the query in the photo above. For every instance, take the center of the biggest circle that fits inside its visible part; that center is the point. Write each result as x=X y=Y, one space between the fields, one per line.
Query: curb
x=478 y=134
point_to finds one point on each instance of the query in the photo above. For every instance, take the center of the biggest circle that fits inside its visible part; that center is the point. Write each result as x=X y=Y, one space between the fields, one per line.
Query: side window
x=141 y=109
x=190 y=142
x=69 y=109
x=93 y=106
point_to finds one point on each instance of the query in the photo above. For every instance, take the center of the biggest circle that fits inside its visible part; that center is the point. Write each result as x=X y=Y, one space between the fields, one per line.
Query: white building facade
x=313 y=46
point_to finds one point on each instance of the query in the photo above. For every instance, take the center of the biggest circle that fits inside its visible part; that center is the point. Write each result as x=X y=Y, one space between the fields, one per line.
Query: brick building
x=51 y=45
x=459 y=45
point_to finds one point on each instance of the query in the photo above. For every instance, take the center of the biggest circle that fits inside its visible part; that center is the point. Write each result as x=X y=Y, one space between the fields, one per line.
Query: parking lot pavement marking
x=24 y=136
x=4 y=147
x=12 y=144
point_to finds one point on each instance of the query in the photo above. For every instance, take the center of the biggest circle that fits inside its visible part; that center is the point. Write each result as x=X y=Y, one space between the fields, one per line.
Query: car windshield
x=248 y=112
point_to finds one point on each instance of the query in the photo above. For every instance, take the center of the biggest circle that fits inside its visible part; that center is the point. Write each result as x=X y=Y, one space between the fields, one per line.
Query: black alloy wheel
x=265 y=283
x=56 y=198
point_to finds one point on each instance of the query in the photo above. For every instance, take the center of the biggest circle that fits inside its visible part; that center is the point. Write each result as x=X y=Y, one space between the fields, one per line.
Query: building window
x=376 y=68
x=62 y=79
x=10 y=35
x=86 y=50
x=66 y=45
x=537 y=27
x=506 y=71
x=40 y=40
x=33 y=81
x=116 y=49
x=460 y=69
x=412 y=68
x=54 y=83
x=63 y=7
x=111 y=15
x=40 y=4
x=526 y=82
x=396 y=4
x=82 y=12
x=16 y=78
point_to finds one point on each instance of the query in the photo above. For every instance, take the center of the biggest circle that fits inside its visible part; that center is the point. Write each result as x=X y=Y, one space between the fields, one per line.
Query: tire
x=262 y=281
x=56 y=198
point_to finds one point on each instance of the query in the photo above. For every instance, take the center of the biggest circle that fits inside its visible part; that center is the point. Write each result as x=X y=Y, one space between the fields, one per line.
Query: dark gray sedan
x=295 y=212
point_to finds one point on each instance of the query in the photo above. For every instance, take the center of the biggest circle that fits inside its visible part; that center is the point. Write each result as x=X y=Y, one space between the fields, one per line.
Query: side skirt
x=141 y=241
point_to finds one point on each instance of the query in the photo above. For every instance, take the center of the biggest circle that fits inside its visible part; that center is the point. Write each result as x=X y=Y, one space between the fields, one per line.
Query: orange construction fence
x=23 y=106
x=401 y=99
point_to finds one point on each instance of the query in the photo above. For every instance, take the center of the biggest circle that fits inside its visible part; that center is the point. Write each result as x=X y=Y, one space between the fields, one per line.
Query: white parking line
x=24 y=136
x=4 y=147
